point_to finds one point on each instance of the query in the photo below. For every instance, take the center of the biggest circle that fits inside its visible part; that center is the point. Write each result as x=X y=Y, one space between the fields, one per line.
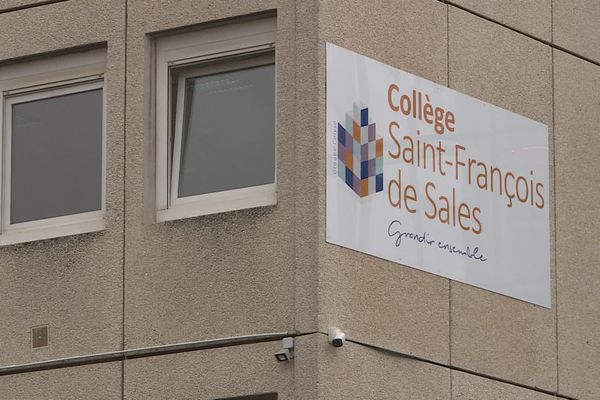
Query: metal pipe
x=143 y=352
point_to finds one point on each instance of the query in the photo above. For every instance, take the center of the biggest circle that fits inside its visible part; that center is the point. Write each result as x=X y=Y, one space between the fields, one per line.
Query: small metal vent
x=39 y=336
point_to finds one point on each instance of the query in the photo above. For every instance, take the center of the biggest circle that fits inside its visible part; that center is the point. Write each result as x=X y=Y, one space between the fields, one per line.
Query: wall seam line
x=123 y=343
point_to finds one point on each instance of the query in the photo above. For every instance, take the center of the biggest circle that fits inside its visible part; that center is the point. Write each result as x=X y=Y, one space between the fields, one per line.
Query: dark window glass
x=228 y=138
x=56 y=156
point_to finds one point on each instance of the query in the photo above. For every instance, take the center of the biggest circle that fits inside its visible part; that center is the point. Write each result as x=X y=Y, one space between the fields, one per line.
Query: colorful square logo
x=360 y=153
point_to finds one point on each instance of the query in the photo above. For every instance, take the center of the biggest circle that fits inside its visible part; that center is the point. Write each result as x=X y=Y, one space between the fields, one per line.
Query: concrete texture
x=357 y=372
x=269 y=269
x=576 y=26
x=15 y=4
x=307 y=185
x=410 y=312
x=491 y=333
x=503 y=337
x=211 y=374
x=472 y=387
x=533 y=17
x=221 y=275
x=577 y=84
x=306 y=366
x=402 y=32
x=90 y=382
x=502 y=67
x=72 y=284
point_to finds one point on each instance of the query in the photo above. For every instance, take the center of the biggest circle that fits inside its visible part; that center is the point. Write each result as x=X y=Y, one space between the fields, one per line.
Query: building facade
x=134 y=293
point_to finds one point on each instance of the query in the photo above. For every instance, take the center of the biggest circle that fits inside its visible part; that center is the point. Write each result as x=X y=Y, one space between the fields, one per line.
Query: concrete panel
x=503 y=337
x=90 y=382
x=306 y=366
x=472 y=387
x=211 y=374
x=500 y=66
x=491 y=333
x=159 y=15
x=72 y=284
x=63 y=25
x=307 y=185
x=577 y=84
x=213 y=276
x=8 y=5
x=530 y=16
x=357 y=372
x=371 y=299
x=410 y=35
x=576 y=26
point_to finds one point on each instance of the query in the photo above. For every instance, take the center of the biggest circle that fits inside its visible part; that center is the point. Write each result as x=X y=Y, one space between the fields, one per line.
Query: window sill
x=33 y=234
x=213 y=203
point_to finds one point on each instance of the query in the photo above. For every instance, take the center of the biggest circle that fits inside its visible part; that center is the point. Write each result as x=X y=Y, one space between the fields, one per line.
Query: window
x=52 y=163
x=215 y=120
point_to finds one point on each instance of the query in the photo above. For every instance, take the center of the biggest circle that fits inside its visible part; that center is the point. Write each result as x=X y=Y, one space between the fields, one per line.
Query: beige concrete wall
x=533 y=17
x=269 y=269
x=357 y=372
x=8 y=5
x=90 y=382
x=577 y=101
x=72 y=284
x=472 y=387
x=576 y=27
x=210 y=374
x=216 y=275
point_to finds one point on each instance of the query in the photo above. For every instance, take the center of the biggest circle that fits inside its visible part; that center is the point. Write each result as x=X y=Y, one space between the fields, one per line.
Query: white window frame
x=42 y=79
x=203 y=49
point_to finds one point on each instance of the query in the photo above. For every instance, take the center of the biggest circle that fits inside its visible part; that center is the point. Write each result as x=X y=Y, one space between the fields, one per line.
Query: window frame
x=37 y=80
x=203 y=50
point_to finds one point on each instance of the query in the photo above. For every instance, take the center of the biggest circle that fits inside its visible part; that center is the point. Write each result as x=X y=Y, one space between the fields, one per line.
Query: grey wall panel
x=72 y=284
x=220 y=275
x=577 y=84
x=532 y=17
x=576 y=27
x=93 y=382
x=210 y=374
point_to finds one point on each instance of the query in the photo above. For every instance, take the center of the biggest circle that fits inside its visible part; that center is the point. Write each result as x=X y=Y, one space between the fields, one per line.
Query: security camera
x=287 y=353
x=336 y=337
x=284 y=355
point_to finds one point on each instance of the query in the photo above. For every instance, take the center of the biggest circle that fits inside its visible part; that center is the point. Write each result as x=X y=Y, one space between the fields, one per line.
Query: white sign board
x=430 y=178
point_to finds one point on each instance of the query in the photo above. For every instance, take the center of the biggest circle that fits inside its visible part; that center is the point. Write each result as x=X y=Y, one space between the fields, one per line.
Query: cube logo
x=360 y=153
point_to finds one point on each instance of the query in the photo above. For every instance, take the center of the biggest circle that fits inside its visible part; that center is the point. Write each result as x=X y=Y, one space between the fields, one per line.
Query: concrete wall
x=242 y=261
x=140 y=284
x=72 y=284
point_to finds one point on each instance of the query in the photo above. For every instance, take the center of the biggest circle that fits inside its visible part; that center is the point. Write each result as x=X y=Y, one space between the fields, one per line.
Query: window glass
x=56 y=156
x=228 y=134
